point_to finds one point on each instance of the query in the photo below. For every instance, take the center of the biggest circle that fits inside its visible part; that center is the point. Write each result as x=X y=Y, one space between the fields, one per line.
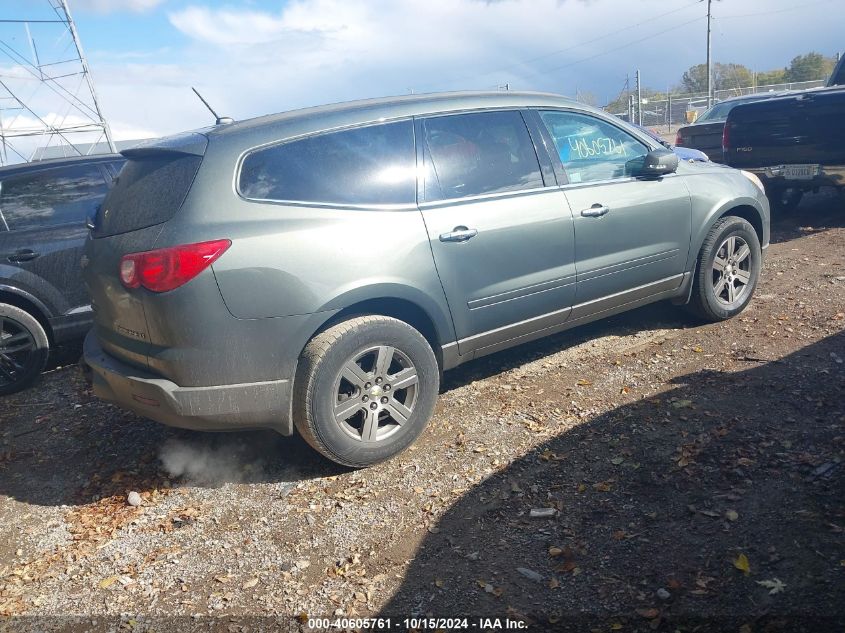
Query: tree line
x=808 y=67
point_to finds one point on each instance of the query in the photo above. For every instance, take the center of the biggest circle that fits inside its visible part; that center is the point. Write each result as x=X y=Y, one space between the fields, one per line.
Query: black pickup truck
x=794 y=143
x=705 y=134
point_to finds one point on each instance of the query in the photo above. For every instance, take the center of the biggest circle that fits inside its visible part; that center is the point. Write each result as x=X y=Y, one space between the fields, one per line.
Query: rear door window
x=64 y=195
x=591 y=149
x=372 y=165
x=478 y=153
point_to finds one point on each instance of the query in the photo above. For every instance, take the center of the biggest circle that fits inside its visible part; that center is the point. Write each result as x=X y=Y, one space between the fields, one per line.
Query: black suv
x=44 y=207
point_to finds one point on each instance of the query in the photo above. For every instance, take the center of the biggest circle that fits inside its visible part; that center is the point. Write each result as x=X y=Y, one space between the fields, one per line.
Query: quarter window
x=66 y=195
x=371 y=165
x=479 y=153
x=591 y=149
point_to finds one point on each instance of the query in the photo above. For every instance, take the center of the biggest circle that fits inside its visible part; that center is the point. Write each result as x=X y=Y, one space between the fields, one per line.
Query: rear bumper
x=827 y=176
x=216 y=408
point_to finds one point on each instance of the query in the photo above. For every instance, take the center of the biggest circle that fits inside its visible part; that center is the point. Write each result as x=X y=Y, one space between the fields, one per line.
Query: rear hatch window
x=151 y=186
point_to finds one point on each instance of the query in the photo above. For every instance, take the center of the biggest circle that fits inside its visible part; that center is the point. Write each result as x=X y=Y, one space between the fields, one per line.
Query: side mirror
x=657 y=163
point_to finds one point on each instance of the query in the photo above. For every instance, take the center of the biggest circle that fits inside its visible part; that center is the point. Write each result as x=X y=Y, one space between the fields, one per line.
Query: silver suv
x=319 y=269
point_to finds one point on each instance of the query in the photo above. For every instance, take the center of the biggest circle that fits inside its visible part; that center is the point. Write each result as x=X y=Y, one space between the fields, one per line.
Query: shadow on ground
x=656 y=503
x=59 y=445
x=817 y=212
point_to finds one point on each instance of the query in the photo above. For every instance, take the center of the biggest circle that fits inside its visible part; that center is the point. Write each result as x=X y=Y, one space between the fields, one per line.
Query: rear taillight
x=679 y=139
x=168 y=268
x=726 y=138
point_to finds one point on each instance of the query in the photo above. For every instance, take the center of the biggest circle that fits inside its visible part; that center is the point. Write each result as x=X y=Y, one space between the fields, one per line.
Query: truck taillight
x=168 y=268
x=726 y=138
x=679 y=140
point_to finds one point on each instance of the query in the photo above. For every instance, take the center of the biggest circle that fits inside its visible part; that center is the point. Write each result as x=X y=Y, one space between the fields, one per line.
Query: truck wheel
x=784 y=199
x=24 y=349
x=365 y=389
x=727 y=270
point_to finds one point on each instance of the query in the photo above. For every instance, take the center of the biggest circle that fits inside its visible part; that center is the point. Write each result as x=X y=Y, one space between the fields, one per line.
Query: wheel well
x=25 y=304
x=401 y=309
x=749 y=214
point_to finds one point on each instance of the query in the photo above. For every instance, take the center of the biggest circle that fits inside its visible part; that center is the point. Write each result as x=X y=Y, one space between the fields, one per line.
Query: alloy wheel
x=375 y=393
x=732 y=271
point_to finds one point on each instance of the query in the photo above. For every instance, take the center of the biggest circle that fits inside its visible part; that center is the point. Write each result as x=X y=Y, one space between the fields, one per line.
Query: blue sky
x=250 y=57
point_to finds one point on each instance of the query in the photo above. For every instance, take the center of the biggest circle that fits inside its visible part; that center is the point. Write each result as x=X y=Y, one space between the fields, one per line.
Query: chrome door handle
x=595 y=211
x=458 y=234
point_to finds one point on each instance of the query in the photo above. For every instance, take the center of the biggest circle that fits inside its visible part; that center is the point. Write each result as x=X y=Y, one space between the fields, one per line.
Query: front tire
x=727 y=270
x=365 y=390
x=24 y=349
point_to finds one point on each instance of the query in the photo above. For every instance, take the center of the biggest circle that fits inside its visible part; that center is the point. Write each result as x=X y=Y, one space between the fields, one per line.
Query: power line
x=561 y=50
x=612 y=50
x=794 y=8
x=606 y=35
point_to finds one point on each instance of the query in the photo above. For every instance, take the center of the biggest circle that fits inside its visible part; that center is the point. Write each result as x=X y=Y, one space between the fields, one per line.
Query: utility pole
x=709 y=60
x=4 y=157
x=669 y=109
x=628 y=93
x=87 y=72
x=55 y=80
x=639 y=100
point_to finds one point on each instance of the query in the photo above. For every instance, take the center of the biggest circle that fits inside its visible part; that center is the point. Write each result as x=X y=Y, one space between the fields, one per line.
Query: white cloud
x=112 y=6
x=227 y=26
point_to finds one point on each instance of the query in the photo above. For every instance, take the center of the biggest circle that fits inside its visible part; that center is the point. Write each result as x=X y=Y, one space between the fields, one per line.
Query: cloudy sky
x=250 y=57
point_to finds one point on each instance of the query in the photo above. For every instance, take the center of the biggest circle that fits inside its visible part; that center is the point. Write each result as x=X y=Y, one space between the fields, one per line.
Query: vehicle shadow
x=60 y=445
x=817 y=212
x=685 y=511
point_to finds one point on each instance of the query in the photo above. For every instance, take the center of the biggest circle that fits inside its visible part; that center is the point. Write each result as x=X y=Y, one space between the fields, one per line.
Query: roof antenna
x=220 y=120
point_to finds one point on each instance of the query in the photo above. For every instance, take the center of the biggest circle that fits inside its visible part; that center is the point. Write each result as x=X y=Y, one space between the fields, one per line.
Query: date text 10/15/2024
x=420 y=624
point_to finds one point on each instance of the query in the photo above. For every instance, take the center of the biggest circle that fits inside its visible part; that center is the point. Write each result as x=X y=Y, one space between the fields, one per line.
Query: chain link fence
x=680 y=109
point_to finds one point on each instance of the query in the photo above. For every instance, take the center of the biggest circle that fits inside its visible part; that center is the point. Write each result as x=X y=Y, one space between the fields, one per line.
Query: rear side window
x=148 y=190
x=65 y=195
x=370 y=165
x=479 y=153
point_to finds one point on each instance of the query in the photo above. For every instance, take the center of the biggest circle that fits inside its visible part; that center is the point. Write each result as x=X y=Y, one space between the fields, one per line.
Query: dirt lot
x=688 y=477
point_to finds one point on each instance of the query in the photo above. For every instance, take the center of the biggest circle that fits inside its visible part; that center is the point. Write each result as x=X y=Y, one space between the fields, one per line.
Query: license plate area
x=800 y=172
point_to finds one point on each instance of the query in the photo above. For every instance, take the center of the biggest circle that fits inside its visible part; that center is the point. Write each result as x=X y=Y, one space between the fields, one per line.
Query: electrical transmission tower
x=47 y=96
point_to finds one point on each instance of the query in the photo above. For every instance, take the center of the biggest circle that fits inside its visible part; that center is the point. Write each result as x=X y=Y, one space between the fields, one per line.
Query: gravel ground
x=641 y=473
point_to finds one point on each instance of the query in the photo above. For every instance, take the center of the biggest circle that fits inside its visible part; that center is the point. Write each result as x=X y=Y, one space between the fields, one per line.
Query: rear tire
x=727 y=270
x=365 y=390
x=24 y=349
